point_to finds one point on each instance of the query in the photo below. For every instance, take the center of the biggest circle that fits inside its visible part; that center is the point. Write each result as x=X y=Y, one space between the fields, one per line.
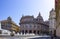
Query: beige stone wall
x=57 y=8
x=58 y=24
x=58 y=31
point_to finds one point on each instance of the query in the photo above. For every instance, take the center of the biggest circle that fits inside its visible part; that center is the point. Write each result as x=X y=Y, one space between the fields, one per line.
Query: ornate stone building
x=29 y=24
x=9 y=25
x=52 y=21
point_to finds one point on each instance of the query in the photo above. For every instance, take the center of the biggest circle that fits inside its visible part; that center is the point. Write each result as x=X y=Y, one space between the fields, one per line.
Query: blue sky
x=17 y=8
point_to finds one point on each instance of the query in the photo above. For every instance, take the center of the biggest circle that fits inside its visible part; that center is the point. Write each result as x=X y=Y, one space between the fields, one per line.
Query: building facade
x=9 y=25
x=29 y=24
x=3 y=31
x=52 y=21
x=57 y=9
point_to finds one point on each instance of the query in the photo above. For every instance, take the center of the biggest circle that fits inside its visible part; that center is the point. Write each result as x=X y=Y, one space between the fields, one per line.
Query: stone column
x=24 y=32
x=36 y=32
x=32 y=31
x=39 y=32
x=28 y=31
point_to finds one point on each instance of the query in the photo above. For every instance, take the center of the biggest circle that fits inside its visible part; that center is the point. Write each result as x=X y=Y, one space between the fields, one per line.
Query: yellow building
x=57 y=9
x=9 y=25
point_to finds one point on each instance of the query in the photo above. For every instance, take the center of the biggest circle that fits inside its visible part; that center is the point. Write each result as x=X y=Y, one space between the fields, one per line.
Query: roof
x=10 y=21
x=52 y=10
x=27 y=17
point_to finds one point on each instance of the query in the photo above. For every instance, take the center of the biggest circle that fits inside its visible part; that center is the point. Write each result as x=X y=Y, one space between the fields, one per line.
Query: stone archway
x=38 y=32
x=30 y=31
x=22 y=31
x=34 y=31
x=26 y=31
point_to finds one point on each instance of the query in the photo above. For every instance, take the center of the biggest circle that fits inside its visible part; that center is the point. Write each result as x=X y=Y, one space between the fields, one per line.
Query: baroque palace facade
x=29 y=24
